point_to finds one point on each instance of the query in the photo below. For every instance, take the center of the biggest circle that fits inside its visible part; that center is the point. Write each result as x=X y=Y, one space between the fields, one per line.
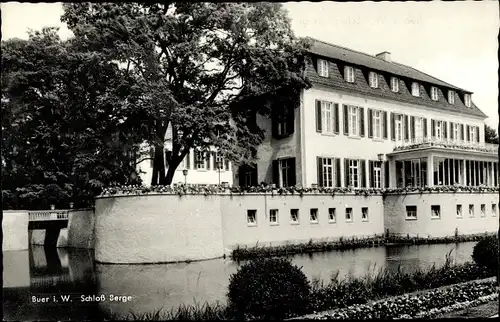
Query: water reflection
x=49 y=271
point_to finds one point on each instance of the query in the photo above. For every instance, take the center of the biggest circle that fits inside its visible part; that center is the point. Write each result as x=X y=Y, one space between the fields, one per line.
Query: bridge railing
x=48 y=215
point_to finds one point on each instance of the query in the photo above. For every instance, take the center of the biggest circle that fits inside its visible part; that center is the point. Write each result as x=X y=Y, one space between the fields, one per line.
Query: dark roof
x=361 y=85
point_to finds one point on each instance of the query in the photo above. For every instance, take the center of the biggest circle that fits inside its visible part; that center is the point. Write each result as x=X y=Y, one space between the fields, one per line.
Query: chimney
x=385 y=55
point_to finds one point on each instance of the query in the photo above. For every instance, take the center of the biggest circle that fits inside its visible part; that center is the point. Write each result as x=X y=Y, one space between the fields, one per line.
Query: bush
x=268 y=288
x=485 y=253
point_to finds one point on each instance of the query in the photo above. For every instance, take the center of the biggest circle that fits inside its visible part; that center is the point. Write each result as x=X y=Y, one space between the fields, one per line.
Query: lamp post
x=219 y=163
x=185 y=173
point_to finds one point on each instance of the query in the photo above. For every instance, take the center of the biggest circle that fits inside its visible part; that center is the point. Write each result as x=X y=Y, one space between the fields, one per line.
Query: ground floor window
x=332 y=216
x=284 y=172
x=375 y=174
x=348 y=214
x=411 y=173
x=459 y=211
x=247 y=176
x=252 y=217
x=436 y=211
x=314 y=215
x=328 y=172
x=411 y=212
x=273 y=216
x=294 y=215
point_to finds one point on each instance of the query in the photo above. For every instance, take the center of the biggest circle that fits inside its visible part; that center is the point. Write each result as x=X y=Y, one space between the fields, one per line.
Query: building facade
x=369 y=122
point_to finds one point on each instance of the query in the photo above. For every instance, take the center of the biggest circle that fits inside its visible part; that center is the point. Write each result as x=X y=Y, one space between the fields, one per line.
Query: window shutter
x=462 y=134
x=318 y=116
x=370 y=123
x=206 y=155
x=254 y=175
x=292 y=179
x=346 y=119
x=425 y=127
x=338 y=174
x=413 y=127
x=214 y=156
x=451 y=130
x=188 y=157
x=362 y=172
x=468 y=133
x=372 y=176
x=433 y=128
x=393 y=128
x=276 y=173
x=445 y=129
x=319 y=162
x=291 y=120
x=226 y=162
x=336 y=116
x=407 y=128
x=477 y=134
x=346 y=173
x=361 y=121
x=241 y=175
x=384 y=124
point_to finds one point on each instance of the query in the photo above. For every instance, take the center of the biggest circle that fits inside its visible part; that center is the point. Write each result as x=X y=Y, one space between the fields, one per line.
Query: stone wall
x=15 y=230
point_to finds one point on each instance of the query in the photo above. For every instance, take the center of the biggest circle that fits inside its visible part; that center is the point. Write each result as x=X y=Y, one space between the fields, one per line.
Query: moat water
x=67 y=284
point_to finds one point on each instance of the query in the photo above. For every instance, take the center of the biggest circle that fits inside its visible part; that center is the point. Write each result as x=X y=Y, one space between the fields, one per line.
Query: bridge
x=52 y=221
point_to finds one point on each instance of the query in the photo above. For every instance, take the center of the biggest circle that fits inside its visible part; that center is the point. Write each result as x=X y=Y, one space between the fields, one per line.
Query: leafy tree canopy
x=490 y=135
x=200 y=68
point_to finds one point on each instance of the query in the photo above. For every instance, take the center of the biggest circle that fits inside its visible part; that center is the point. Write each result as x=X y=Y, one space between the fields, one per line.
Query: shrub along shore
x=242 y=253
x=355 y=291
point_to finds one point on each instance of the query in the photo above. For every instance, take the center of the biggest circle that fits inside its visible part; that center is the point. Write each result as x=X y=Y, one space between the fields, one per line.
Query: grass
x=481 y=311
x=340 y=293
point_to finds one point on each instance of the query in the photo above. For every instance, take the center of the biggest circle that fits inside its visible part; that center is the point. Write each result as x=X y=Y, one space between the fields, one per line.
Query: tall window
x=284 y=172
x=219 y=161
x=377 y=124
x=467 y=100
x=322 y=68
x=493 y=209
x=415 y=89
x=395 y=84
x=327 y=116
x=329 y=173
x=439 y=128
x=472 y=133
x=483 y=210
x=471 y=211
x=354 y=173
x=285 y=169
x=434 y=93
x=398 y=121
x=419 y=127
x=456 y=131
x=199 y=161
x=349 y=74
x=459 y=211
x=376 y=174
x=451 y=97
x=353 y=120
x=416 y=173
x=373 y=79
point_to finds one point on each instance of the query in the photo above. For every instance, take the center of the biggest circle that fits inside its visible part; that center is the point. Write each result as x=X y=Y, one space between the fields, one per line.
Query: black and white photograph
x=250 y=160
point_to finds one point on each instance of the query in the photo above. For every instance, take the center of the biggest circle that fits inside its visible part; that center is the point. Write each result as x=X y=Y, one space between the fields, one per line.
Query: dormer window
x=467 y=100
x=395 y=84
x=373 y=79
x=322 y=68
x=415 y=89
x=434 y=93
x=451 y=97
x=349 y=74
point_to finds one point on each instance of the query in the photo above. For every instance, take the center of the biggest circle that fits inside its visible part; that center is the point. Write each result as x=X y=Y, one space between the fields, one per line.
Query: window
x=419 y=127
x=219 y=161
x=349 y=74
x=471 y=211
x=354 y=173
x=327 y=117
x=415 y=89
x=364 y=214
x=322 y=68
x=286 y=172
x=395 y=84
x=294 y=216
x=283 y=123
x=434 y=93
x=348 y=214
x=332 y=215
x=467 y=100
x=252 y=217
x=247 y=176
x=376 y=174
x=435 y=211
x=472 y=134
x=493 y=209
x=439 y=130
x=456 y=131
x=459 y=211
x=483 y=210
x=353 y=120
x=451 y=97
x=314 y=215
x=199 y=161
x=273 y=216
x=373 y=79
x=329 y=173
x=377 y=124
x=398 y=122
x=411 y=212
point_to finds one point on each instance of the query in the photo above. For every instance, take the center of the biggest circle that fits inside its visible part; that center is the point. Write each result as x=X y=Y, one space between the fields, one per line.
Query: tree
x=67 y=116
x=200 y=67
x=490 y=135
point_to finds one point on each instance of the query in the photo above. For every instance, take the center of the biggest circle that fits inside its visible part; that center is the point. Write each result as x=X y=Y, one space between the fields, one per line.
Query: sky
x=455 y=41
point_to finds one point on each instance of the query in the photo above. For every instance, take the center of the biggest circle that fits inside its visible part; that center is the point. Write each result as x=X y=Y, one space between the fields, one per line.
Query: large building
x=368 y=121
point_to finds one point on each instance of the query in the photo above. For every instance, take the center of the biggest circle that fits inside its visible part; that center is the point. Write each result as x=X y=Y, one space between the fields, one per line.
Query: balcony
x=419 y=143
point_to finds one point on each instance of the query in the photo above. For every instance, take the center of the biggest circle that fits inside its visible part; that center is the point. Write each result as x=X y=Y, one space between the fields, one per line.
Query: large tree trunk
x=158 y=167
